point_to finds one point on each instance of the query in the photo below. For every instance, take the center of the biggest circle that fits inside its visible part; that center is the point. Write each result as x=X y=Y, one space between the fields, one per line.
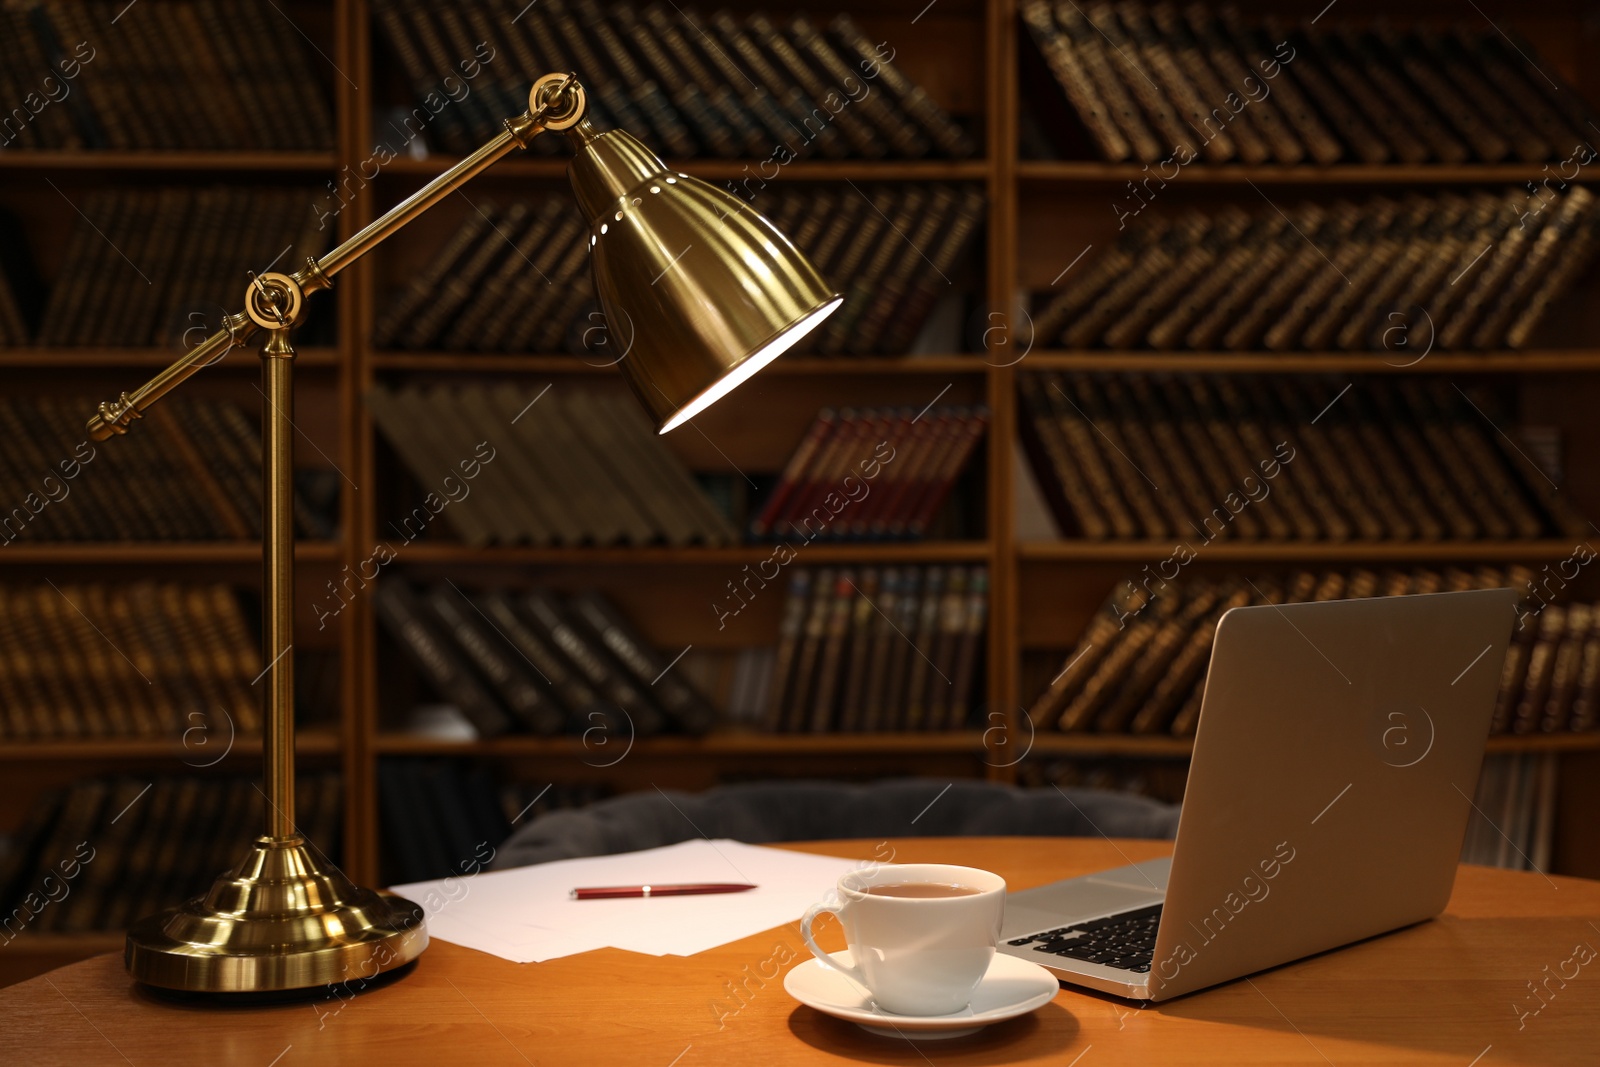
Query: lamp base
x=280 y=920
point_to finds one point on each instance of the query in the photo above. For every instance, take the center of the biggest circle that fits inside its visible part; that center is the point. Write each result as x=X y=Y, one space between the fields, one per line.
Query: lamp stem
x=277 y=631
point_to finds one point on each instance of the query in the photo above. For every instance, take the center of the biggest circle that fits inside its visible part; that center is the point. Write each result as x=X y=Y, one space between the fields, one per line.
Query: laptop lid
x=1337 y=753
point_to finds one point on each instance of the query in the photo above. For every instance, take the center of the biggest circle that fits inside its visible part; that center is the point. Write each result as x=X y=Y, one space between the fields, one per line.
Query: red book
x=810 y=516
x=794 y=472
x=964 y=437
x=892 y=427
x=914 y=448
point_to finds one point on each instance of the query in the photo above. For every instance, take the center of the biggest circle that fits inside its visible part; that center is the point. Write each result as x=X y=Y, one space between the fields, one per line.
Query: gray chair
x=766 y=812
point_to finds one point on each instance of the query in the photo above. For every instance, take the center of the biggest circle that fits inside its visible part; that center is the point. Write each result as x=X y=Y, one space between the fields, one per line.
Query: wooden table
x=1444 y=992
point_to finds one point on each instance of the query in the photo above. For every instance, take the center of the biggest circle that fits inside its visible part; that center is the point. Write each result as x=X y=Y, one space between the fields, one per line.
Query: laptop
x=1336 y=756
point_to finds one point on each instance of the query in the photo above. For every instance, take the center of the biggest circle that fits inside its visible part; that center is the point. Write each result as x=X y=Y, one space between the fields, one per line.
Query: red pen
x=608 y=891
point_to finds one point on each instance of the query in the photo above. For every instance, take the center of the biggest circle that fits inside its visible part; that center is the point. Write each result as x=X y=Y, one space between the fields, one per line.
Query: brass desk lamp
x=711 y=291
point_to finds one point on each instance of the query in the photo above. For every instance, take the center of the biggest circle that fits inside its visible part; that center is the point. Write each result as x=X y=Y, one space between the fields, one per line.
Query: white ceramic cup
x=915 y=955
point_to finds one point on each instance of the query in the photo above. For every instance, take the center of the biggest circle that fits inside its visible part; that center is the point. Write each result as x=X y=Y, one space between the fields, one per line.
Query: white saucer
x=1010 y=987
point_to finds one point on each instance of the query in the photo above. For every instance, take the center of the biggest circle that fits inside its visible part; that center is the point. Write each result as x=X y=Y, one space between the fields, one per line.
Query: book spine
x=1539 y=678
x=924 y=671
x=875 y=713
x=824 y=712
x=582 y=703
x=946 y=134
x=1450 y=63
x=608 y=678
x=536 y=711
x=1065 y=489
x=863 y=621
x=795 y=471
x=1217 y=143
x=790 y=627
x=895 y=704
x=951 y=620
x=1069 y=70
x=965 y=695
x=1564 y=669
x=1123 y=105
x=689 y=711
x=803 y=684
x=402 y=615
x=967 y=435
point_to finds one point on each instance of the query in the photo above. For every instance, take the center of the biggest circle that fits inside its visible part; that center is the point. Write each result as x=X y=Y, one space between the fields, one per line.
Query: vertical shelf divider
x=356 y=378
x=1001 y=745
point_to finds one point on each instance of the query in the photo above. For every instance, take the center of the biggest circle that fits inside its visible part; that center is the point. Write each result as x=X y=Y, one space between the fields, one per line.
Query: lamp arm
x=271 y=294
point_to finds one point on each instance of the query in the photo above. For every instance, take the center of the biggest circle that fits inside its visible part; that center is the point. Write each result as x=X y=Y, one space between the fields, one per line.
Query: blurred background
x=1151 y=310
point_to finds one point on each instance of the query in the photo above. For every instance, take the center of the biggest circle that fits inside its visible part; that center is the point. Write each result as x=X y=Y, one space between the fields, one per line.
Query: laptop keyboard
x=1126 y=940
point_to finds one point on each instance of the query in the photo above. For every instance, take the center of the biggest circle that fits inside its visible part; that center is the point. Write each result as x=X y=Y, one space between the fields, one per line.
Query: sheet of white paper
x=527 y=914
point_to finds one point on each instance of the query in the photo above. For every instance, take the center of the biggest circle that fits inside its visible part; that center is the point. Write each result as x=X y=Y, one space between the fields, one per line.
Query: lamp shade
x=699 y=290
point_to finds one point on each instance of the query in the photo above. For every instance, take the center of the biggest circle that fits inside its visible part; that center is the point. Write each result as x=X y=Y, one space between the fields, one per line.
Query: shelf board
x=731 y=743
x=859 y=552
x=1074 y=551
x=731 y=169
x=145 y=358
x=157 y=160
x=1097 y=172
x=118 y=552
x=1162 y=746
x=1531 y=361
x=322 y=742
x=1138 y=745
x=798 y=365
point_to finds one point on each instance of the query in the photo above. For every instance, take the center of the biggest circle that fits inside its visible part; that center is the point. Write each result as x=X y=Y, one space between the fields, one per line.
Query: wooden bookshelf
x=173 y=161
x=1300 y=552
x=152 y=359
x=1040 y=214
x=1533 y=361
x=822 y=367
x=1090 y=172
x=1051 y=743
x=806 y=170
x=727 y=743
x=815 y=553
x=308 y=742
x=171 y=553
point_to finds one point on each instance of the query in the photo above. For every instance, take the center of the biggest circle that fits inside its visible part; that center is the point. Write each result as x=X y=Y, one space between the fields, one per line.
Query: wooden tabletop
x=1455 y=991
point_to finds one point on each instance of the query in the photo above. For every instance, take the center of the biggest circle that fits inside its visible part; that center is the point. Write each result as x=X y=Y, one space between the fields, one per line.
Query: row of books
x=572 y=467
x=190 y=74
x=754 y=86
x=1407 y=276
x=442 y=818
x=1156 y=84
x=532 y=661
x=871 y=474
x=877 y=649
x=104 y=852
x=190 y=471
x=140 y=659
x=1145 y=673
x=1201 y=458
x=1513 y=821
x=161 y=267
x=892 y=250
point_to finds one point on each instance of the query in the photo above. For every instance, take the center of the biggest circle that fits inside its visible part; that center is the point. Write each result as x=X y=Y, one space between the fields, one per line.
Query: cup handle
x=827 y=959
